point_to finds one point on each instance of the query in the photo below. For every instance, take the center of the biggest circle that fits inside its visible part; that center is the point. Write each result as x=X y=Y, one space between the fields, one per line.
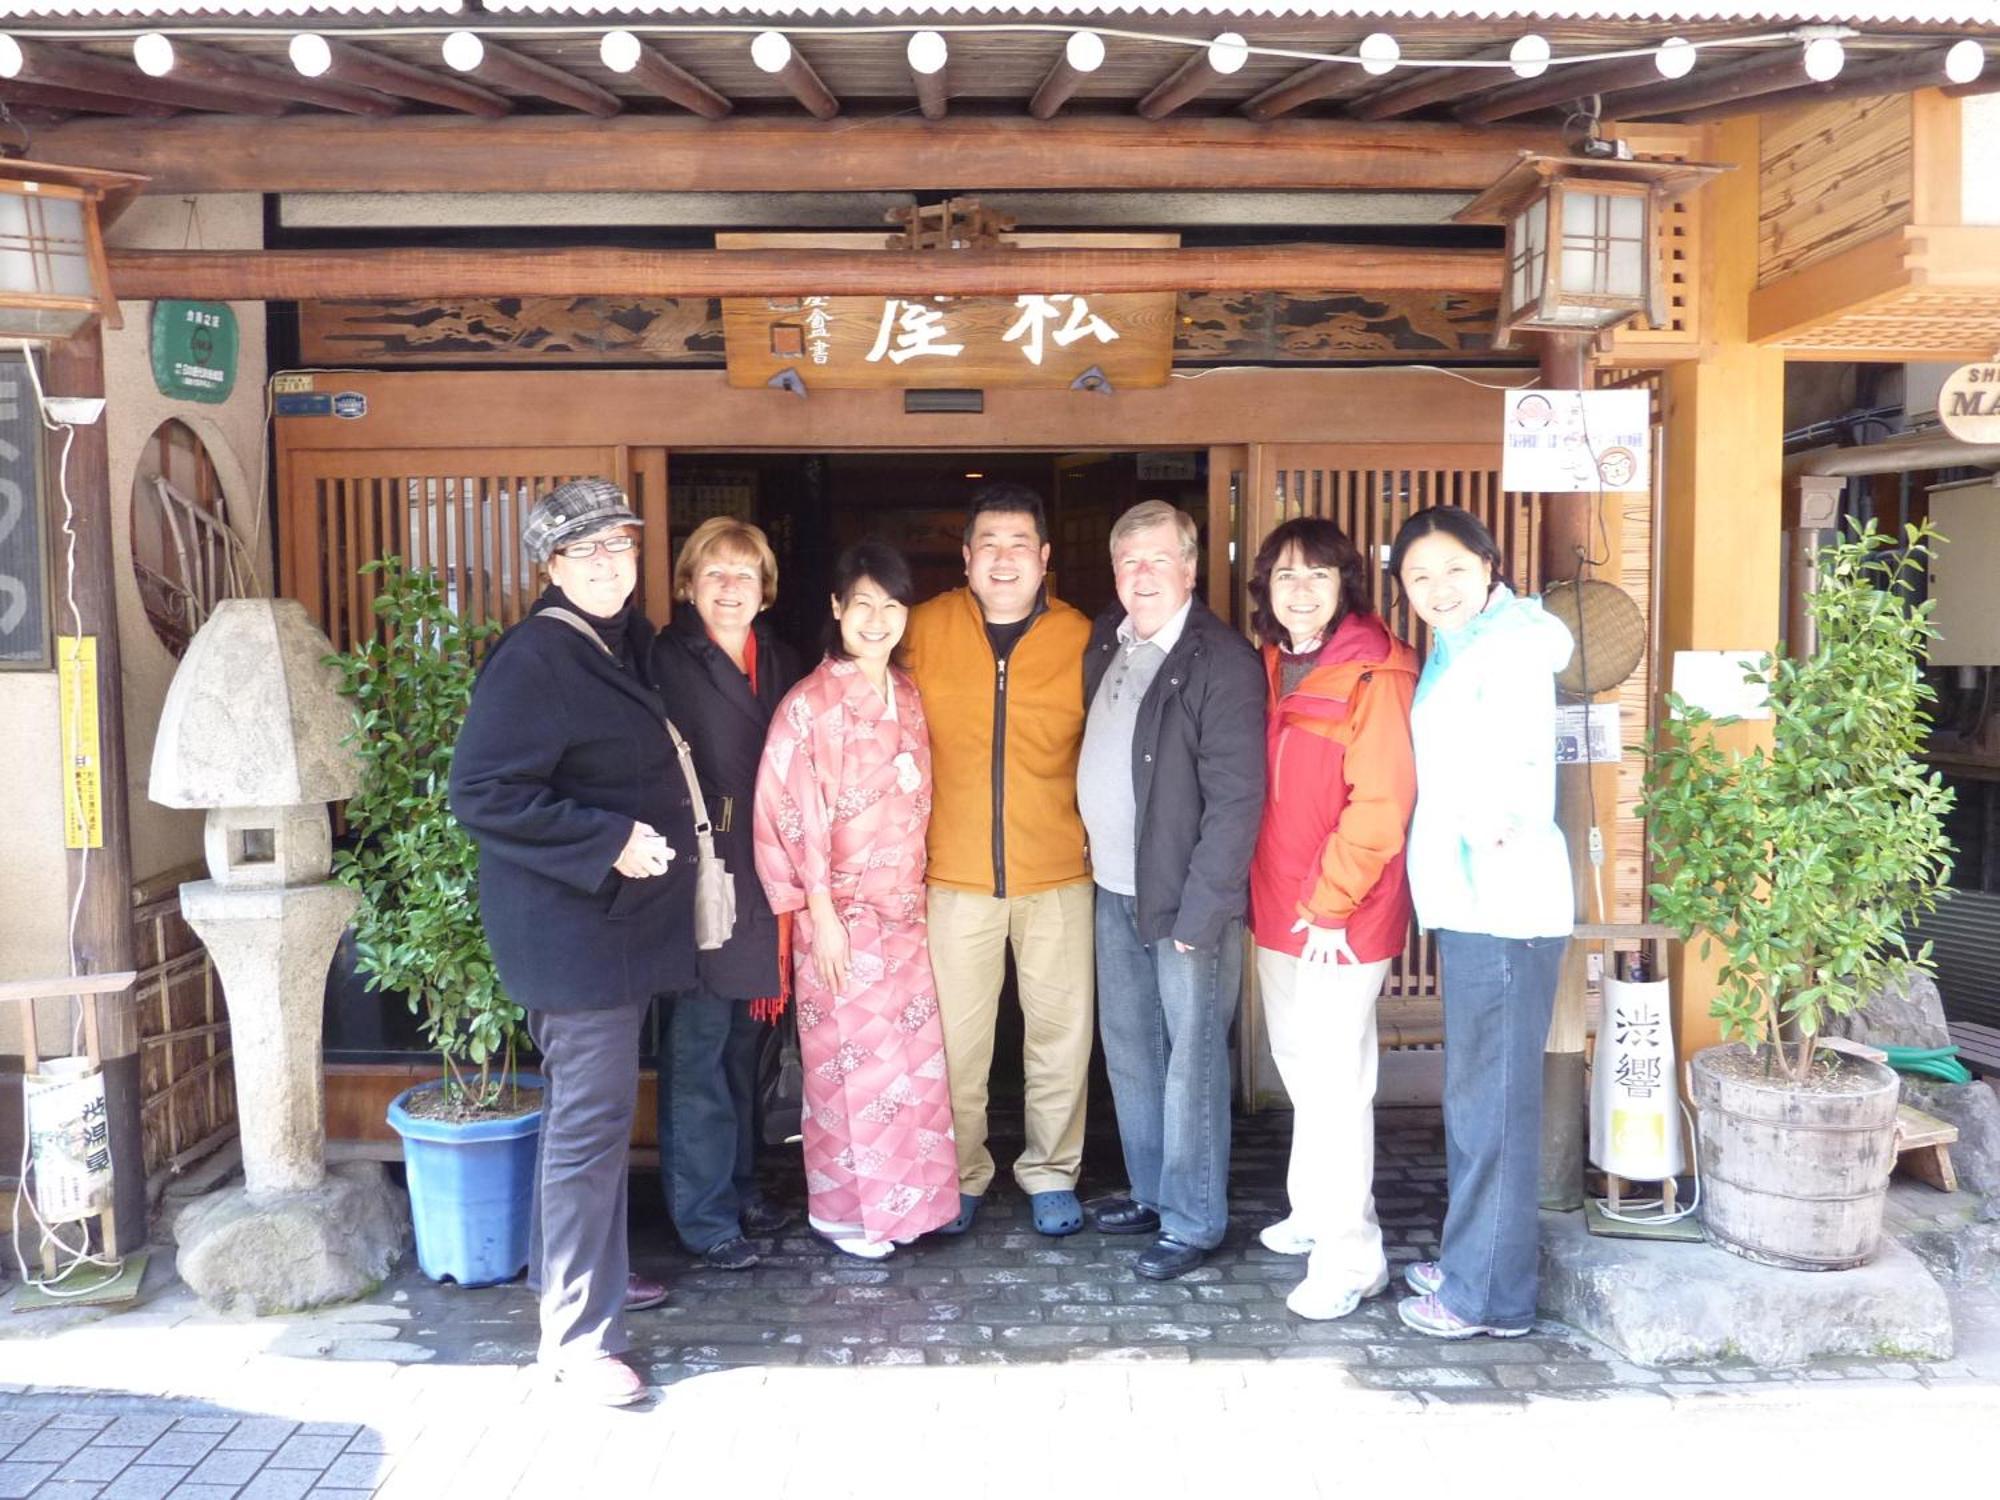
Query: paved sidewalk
x=981 y=1365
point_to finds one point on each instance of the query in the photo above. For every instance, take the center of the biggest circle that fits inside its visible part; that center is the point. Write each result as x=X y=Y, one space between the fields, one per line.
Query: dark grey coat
x=562 y=750
x=711 y=703
x=1197 y=776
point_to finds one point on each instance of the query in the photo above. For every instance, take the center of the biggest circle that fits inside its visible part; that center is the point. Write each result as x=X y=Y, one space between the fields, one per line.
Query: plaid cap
x=570 y=512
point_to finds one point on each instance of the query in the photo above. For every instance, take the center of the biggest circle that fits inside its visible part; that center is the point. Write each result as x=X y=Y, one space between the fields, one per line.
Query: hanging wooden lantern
x=1580 y=237
x=53 y=275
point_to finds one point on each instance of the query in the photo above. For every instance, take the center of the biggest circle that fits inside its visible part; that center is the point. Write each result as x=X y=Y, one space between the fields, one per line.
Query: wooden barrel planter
x=1790 y=1176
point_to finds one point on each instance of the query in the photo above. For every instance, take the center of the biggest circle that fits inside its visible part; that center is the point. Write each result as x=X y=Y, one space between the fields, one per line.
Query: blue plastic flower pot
x=471 y=1190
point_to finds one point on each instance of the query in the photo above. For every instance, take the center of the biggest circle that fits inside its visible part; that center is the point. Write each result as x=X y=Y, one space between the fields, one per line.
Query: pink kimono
x=843 y=802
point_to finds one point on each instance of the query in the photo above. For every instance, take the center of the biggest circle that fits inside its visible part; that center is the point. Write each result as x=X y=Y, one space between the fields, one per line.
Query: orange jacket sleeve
x=1381 y=776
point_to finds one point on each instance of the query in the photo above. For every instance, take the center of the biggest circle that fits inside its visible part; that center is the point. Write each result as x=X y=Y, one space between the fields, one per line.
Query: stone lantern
x=252 y=732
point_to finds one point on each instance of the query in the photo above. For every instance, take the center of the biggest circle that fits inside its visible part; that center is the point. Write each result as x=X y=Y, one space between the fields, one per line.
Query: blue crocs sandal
x=968 y=1210
x=1056 y=1213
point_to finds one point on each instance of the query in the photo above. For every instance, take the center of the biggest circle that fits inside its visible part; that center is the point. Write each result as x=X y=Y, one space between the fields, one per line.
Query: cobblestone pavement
x=995 y=1361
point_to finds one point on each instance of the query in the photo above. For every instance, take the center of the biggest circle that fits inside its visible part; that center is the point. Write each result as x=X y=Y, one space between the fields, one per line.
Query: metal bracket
x=788 y=380
x=1095 y=381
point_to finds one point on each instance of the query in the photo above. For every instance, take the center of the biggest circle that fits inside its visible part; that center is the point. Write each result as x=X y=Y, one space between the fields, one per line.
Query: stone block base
x=1661 y=1303
x=293 y=1251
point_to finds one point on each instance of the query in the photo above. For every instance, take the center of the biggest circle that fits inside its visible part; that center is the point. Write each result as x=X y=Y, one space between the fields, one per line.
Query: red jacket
x=1341 y=782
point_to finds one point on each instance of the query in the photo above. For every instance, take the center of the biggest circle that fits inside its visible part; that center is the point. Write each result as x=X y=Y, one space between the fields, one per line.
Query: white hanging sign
x=1588 y=733
x=1969 y=402
x=1576 y=442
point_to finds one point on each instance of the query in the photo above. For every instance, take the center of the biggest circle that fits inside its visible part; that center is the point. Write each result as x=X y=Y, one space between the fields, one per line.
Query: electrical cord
x=80 y=1255
x=1619 y=1215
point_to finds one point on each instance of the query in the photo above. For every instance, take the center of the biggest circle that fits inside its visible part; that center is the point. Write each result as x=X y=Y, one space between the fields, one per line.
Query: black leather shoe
x=1123 y=1216
x=1167 y=1258
x=761 y=1217
x=736 y=1254
x=642 y=1293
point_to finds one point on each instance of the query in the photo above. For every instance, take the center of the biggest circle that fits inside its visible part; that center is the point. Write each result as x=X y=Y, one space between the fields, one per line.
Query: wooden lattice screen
x=187 y=1080
x=1369 y=493
x=458 y=511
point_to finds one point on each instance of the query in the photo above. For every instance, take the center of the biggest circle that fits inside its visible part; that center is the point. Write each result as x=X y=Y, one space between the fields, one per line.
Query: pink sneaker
x=1427 y=1314
x=1423 y=1278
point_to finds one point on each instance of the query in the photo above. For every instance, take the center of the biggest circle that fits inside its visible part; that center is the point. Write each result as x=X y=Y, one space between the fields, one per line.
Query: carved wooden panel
x=1303 y=327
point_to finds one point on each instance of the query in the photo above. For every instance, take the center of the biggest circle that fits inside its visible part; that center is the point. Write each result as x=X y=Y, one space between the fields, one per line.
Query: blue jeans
x=708 y=1087
x=1498 y=996
x=1165 y=1019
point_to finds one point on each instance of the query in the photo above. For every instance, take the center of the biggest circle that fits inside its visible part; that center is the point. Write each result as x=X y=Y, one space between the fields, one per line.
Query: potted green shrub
x=469 y=1137
x=1804 y=865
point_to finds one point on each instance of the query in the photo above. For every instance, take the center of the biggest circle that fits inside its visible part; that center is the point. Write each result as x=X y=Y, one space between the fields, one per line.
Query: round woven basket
x=1610 y=633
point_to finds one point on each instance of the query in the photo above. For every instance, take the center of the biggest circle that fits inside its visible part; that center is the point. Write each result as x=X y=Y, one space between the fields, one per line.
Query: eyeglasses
x=613 y=546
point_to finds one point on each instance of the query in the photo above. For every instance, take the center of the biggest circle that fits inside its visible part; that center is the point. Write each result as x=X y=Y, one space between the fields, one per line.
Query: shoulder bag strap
x=703 y=830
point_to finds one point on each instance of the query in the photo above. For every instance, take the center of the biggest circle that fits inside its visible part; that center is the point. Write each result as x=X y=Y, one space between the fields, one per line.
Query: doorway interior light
x=1675 y=57
x=1379 y=53
x=1529 y=56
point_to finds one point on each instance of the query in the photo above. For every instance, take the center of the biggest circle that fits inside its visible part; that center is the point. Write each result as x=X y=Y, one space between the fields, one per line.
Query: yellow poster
x=83 y=763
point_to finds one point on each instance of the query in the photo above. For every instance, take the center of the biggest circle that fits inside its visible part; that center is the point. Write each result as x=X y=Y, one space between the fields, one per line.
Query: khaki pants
x=1051 y=933
x=1322 y=1025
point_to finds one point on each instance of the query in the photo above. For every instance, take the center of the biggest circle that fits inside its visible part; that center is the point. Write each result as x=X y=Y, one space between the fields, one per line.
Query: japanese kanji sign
x=194 y=350
x=1576 y=442
x=915 y=340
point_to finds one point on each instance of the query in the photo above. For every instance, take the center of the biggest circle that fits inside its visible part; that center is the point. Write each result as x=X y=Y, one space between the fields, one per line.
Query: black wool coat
x=562 y=750
x=1197 y=775
x=724 y=723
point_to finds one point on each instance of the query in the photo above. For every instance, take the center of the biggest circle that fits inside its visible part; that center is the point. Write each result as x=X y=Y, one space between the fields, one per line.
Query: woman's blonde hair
x=725 y=534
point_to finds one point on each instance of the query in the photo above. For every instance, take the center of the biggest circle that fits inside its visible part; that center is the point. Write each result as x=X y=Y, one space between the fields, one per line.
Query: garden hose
x=1936 y=1062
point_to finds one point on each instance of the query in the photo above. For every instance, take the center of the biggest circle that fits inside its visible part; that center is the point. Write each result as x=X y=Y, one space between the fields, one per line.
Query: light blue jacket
x=1485 y=854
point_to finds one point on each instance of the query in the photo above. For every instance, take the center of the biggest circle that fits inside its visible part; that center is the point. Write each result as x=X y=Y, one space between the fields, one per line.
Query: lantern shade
x=53 y=275
x=1580 y=236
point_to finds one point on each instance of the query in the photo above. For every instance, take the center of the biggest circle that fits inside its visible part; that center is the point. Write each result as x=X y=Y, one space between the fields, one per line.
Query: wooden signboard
x=920 y=341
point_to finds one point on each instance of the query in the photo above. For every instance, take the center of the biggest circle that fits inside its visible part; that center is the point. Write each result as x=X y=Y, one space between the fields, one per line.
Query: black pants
x=708 y=1084
x=590 y=1059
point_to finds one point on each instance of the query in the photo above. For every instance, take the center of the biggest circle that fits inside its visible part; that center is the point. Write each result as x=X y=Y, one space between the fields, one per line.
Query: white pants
x=1322 y=1024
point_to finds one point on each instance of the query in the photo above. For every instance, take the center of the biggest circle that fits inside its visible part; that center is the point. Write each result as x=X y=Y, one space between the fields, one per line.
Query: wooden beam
x=1303 y=87
x=1896 y=76
x=656 y=154
x=1749 y=78
x=468 y=52
x=47 y=96
x=623 y=52
x=318 y=56
x=774 y=54
x=1429 y=86
x=160 y=56
x=36 y=62
x=1082 y=55
x=1558 y=86
x=295 y=275
x=927 y=54
x=1221 y=58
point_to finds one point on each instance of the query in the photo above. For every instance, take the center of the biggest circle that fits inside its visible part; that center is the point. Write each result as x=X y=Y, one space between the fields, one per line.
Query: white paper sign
x=1722 y=683
x=1596 y=742
x=1576 y=442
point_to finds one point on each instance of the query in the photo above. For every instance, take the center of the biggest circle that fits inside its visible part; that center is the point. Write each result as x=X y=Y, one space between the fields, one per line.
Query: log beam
x=1220 y=59
x=297 y=275
x=667 y=154
x=36 y=62
x=1748 y=79
x=1895 y=76
x=47 y=96
x=160 y=56
x=1428 y=86
x=1303 y=87
x=1082 y=55
x=316 y=56
x=468 y=52
x=1559 y=86
x=622 y=52
x=773 y=53
x=928 y=54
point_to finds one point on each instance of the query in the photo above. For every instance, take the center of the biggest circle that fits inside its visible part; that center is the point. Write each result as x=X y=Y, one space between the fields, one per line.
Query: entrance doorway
x=812 y=505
